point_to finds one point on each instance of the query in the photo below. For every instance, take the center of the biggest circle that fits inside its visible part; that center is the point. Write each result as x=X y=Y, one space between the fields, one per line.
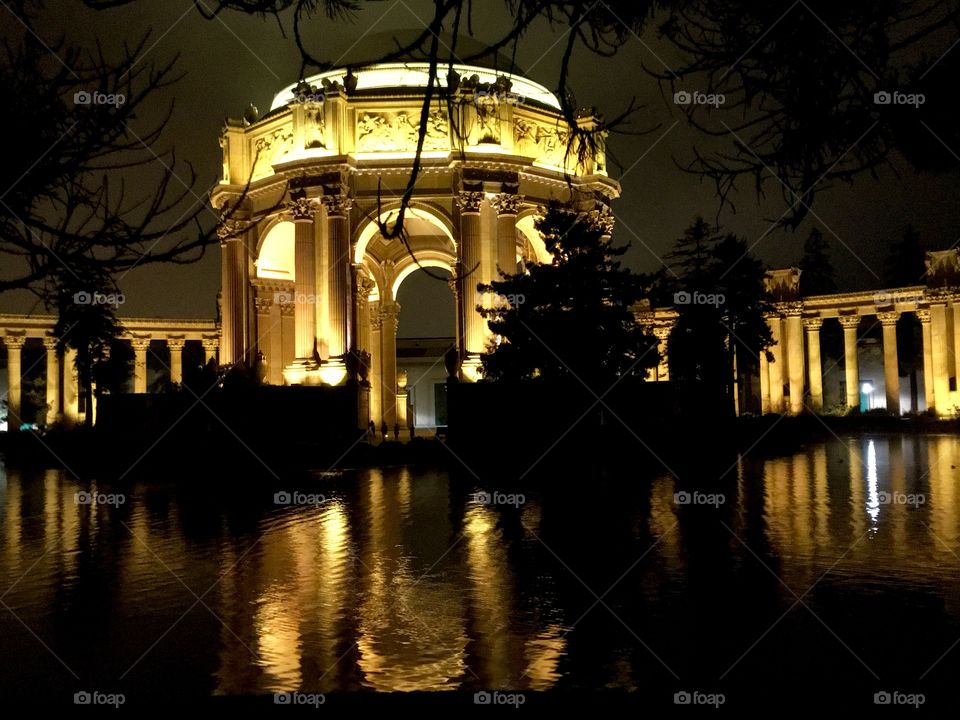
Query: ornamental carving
x=601 y=218
x=547 y=144
x=469 y=201
x=507 y=203
x=386 y=131
x=313 y=126
x=303 y=209
x=488 y=119
x=337 y=205
x=269 y=148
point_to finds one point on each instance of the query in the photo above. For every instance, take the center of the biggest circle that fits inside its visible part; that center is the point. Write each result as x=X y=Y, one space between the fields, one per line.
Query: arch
x=418 y=217
x=525 y=225
x=275 y=256
x=429 y=259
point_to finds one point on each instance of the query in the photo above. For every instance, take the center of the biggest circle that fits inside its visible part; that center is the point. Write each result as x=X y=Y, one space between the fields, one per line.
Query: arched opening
x=275 y=260
x=426 y=330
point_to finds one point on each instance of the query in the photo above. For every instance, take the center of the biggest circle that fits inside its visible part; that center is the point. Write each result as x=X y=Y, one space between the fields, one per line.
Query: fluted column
x=507 y=206
x=794 y=323
x=470 y=248
x=776 y=368
x=304 y=211
x=14 y=344
x=232 y=295
x=140 y=346
x=338 y=273
x=376 y=363
x=53 y=379
x=71 y=388
x=939 y=347
x=891 y=364
x=388 y=344
x=175 y=345
x=663 y=366
x=924 y=317
x=764 y=383
x=363 y=285
x=851 y=361
x=814 y=369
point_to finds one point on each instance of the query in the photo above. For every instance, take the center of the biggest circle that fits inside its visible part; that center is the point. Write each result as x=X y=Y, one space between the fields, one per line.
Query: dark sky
x=238 y=59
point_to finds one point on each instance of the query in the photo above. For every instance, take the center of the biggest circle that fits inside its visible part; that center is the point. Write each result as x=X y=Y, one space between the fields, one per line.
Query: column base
x=309 y=372
x=471 y=367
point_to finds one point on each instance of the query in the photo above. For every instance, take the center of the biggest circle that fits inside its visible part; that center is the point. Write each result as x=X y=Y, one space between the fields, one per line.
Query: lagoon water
x=834 y=570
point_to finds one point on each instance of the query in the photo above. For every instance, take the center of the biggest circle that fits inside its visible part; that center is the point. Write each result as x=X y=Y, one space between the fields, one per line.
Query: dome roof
x=414 y=72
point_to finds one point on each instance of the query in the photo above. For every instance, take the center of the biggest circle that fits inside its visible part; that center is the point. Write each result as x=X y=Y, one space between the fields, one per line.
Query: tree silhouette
x=718 y=291
x=905 y=263
x=572 y=317
x=816 y=270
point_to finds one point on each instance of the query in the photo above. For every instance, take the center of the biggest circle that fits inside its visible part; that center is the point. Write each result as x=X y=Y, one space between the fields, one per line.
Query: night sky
x=237 y=59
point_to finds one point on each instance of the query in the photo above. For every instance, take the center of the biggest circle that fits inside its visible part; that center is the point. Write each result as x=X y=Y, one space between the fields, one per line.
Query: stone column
x=14 y=345
x=507 y=206
x=955 y=305
x=53 y=380
x=402 y=398
x=851 y=362
x=470 y=250
x=453 y=283
x=376 y=364
x=939 y=348
x=924 y=317
x=71 y=388
x=891 y=365
x=209 y=349
x=663 y=367
x=338 y=273
x=776 y=367
x=764 y=383
x=794 y=323
x=175 y=344
x=305 y=282
x=814 y=369
x=232 y=295
x=388 y=343
x=140 y=346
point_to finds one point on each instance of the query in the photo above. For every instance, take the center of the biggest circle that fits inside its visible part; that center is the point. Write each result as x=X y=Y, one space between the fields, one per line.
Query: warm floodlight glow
x=332 y=372
x=417 y=74
x=866 y=388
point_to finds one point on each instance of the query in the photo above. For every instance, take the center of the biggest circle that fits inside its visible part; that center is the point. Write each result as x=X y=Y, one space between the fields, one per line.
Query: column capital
x=263 y=303
x=790 y=309
x=50 y=342
x=469 y=201
x=507 y=203
x=389 y=309
x=923 y=315
x=662 y=332
x=376 y=319
x=210 y=343
x=812 y=324
x=888 y=318
x=338 y=204
x=849 y=322
x=140 y=342
x=176 y=342
x=14 y=341
x=303 y=209
x=365 y=283
x=230 y=228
